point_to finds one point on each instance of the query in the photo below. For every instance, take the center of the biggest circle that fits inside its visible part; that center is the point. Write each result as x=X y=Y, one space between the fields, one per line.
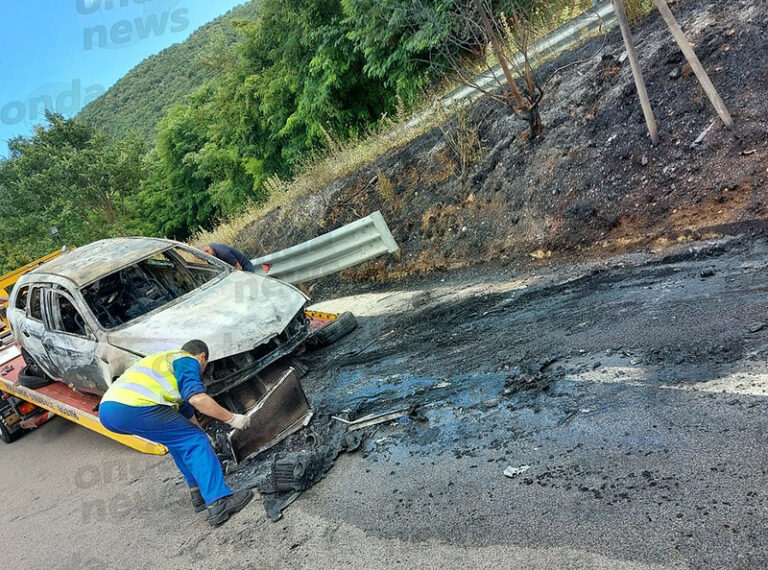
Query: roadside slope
x=592 y=183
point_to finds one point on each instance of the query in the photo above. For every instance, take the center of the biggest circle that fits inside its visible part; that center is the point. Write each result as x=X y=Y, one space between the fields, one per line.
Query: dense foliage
x=295 y=80
x=304 y=73
x=400 y=41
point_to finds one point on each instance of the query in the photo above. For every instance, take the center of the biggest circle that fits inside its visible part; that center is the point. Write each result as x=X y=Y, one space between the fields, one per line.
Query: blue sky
x=64 y=53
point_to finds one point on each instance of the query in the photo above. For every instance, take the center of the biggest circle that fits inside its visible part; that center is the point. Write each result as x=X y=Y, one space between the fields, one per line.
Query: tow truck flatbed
x=61 y=400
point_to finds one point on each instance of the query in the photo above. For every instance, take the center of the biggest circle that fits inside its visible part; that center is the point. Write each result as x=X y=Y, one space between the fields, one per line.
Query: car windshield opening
x=138 y=289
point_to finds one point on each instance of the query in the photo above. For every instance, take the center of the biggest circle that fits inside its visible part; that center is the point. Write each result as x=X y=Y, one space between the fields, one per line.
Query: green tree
x=293 y=80
x=306 y=77
x=402 y=40
x=67 y=174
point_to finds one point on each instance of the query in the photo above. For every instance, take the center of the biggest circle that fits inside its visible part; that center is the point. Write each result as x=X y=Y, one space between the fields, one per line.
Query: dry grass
x=386 y=190
x=463 y=138
x=344 y=158
x=637 y=9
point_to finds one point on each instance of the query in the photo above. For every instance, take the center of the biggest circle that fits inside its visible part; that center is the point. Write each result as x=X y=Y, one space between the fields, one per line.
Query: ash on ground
x=294 y=465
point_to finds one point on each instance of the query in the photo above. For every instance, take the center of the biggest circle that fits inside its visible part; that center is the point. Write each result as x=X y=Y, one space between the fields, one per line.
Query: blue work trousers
x=187 y=443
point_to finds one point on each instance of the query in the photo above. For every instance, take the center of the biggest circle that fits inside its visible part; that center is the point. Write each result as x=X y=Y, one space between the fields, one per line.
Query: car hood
x=236 y=314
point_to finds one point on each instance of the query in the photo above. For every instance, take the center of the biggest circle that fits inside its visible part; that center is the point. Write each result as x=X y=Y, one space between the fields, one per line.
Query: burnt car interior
x=65 y=317
x=21 y=298
x=147 y=285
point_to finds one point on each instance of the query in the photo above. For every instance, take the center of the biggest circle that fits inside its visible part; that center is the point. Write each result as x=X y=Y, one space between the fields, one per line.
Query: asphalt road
x=629 y=395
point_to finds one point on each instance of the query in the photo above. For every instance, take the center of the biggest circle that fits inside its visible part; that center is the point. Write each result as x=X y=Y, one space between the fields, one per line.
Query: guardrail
x=349 y=245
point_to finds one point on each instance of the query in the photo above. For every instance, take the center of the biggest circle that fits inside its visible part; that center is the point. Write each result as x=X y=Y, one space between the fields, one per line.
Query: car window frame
x=48 y=314
x=36 y=288
x=213 y=261
x=18 y=296
x=225 y=268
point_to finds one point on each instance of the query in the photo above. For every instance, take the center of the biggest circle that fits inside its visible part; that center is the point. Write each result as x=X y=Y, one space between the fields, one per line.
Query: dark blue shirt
x=232 y=256
x=187 y=372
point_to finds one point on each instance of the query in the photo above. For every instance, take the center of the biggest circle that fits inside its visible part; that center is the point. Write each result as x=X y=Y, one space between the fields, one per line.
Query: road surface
x=628 y=394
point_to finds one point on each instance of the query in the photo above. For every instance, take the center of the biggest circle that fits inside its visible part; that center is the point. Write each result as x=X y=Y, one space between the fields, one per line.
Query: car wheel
x=341 y=326
x=31 y=381
x=32 y=367
x=6 y=435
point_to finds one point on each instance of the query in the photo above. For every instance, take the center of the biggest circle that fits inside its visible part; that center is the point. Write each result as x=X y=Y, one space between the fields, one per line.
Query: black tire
x=32 y=368
x=7 y=436
x=341 y=326
x=31 y=381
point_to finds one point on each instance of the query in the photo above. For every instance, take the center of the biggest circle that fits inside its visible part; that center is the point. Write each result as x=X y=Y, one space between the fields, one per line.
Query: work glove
x=240 y=421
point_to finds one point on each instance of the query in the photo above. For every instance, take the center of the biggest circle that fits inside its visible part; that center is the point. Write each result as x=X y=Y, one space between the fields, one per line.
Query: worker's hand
x=240 y=421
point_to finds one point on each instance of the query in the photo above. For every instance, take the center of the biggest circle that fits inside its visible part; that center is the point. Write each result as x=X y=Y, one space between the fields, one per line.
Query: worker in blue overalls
x=155 y=399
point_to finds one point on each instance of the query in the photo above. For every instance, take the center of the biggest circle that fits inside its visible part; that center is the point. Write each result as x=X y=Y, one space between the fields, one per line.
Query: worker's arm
x=207 y=405
x=238 y=266
x=204 y=404
x=192 y=390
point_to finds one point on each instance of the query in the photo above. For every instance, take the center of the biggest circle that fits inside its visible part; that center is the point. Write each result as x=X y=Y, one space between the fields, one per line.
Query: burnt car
x=86 y=316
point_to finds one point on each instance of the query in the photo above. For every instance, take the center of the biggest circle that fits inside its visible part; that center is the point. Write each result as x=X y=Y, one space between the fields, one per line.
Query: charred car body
x=86 y=316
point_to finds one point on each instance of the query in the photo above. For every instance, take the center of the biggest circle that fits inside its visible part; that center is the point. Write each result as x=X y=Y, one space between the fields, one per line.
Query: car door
x=32 y=329
x=70 y=343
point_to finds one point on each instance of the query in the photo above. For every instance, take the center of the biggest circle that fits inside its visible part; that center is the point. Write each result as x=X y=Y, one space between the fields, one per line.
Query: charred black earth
x=587 y=309
x=629 y=394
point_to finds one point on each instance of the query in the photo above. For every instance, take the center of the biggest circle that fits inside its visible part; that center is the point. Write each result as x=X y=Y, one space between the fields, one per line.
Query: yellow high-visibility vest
x=149 y=382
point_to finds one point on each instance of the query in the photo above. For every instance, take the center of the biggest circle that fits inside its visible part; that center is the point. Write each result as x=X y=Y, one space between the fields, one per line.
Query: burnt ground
x=570 y=307
x=592 y=185
x=633 y=390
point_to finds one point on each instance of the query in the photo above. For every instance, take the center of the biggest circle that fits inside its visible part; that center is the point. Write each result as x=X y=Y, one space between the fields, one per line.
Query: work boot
x=221 y=509
x=198 y=503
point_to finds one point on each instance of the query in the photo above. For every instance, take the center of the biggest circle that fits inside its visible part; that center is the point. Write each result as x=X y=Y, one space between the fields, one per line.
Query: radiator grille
x=281 y=412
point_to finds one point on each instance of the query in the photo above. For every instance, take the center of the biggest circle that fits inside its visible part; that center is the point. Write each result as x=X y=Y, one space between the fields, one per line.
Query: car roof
x=98 y=259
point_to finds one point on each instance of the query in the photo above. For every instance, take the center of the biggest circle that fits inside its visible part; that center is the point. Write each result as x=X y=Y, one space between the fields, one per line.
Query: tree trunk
x=535 y=123
x=500 y=54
